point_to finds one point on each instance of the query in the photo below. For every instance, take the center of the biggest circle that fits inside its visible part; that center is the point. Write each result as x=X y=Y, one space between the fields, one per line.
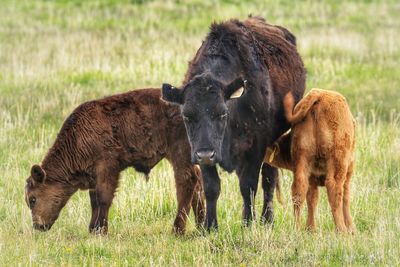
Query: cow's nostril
x=212 y=155
x=198 y=157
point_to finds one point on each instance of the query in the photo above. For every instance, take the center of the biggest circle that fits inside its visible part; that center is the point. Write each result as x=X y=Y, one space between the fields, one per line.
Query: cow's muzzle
x=206 y=157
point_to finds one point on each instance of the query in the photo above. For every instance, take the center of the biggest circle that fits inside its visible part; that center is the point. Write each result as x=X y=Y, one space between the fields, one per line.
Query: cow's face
x=205 y=113
x=45 y=198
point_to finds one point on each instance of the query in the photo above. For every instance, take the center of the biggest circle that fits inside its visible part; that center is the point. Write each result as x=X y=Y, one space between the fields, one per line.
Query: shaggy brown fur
x=319 y=149
x=99 y=140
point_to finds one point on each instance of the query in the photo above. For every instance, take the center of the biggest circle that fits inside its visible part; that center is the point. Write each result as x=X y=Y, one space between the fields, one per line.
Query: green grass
x=57 y=54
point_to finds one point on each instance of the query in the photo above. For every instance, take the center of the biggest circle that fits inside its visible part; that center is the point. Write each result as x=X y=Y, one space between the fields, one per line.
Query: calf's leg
x=299 y=188
x=348 y=220
x=334 y=183
x=101 y=199
x=186 y=182
x=269 y=178
x=95 y=209
x=198 y=204
x=312 y=202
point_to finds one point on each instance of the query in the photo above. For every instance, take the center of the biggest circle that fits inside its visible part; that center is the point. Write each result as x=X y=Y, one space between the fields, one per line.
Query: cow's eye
x=188 y=119
x=222 y=116
x=32 y=202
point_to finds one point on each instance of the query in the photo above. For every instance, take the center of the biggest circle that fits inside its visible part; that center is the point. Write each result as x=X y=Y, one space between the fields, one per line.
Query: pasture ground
x=57 y=54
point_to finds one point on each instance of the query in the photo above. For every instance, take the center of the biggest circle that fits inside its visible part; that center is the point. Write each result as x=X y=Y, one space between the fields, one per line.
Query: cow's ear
x=172 y=94
x=38 y=174
x=235 y=89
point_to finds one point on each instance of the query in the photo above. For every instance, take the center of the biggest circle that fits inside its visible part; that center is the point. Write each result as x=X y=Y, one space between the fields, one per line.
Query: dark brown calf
x=100 y=139
x=319 y=150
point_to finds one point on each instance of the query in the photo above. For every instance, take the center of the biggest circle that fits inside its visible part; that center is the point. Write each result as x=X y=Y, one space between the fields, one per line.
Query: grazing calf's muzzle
x=205 y=157
x=42 y=227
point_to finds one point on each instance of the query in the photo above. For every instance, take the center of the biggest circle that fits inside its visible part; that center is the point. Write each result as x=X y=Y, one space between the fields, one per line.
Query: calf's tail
x=279 y=195
x=302 y=108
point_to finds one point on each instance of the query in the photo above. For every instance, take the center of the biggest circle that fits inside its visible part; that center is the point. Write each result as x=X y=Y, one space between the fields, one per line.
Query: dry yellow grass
x=57 y=54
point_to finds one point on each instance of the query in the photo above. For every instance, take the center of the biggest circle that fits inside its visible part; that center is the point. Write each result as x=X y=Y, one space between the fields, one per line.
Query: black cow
x=234 y=133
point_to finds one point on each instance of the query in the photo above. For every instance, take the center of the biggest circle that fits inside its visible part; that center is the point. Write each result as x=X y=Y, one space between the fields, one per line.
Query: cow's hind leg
x=348 y=220
x=101 y=199
x=300 y=188
x=269 y=179
x=312 y=202
x=335 y=178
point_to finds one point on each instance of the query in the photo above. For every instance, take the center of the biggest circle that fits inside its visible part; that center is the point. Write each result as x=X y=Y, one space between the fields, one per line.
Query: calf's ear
x=172 y=94
x=235 y=89
x=38 y=174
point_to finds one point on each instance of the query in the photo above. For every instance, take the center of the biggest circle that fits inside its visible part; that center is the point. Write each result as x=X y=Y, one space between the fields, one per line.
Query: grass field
x=57 y=54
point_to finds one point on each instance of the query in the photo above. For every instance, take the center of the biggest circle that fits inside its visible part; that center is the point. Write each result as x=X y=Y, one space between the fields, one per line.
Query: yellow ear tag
x=272 y=156
x=238 y=93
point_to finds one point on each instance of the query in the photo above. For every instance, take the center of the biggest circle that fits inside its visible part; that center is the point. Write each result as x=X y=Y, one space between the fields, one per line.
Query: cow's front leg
x=269 y=179
x=248 y=179
x=212 y=189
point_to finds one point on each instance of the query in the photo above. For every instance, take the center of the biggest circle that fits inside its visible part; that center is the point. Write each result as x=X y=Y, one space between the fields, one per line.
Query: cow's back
x=279 y=52
x=285 y=66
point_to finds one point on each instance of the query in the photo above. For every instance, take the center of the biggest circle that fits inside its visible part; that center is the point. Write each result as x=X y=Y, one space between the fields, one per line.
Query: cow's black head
x=205 y=113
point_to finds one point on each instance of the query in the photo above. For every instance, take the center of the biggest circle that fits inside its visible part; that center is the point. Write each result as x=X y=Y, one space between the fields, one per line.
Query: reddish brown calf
x=319 y=150
x=100 y=139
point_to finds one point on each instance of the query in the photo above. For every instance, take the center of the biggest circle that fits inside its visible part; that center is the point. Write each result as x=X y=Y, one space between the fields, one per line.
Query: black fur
x=266 y=57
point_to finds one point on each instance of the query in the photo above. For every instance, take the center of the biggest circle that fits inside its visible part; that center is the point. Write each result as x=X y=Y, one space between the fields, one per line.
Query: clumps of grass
x=55 y=55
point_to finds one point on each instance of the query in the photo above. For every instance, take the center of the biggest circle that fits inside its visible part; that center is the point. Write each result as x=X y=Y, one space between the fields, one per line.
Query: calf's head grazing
x=205 y=113
x=45 y=197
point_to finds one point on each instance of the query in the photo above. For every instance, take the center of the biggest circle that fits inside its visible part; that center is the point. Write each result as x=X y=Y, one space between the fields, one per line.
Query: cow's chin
x=224 y=164
x=227 y=166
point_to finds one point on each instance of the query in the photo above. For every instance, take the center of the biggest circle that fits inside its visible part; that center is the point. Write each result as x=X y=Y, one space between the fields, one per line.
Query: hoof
x=351 y=230
x=311 y=229
x=341 y=231
x=211 y=227
x=268 y=218
x=99 y=231
x=178 y=230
